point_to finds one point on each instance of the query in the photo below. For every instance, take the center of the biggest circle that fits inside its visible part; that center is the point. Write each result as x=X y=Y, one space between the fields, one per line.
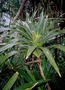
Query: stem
x=43 y=76
x=32 y=62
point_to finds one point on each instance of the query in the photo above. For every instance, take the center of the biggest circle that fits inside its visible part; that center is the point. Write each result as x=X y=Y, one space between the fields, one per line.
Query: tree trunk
x=20 y=9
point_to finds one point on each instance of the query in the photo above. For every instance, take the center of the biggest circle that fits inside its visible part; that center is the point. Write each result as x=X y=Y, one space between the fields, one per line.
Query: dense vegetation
x=32 y=45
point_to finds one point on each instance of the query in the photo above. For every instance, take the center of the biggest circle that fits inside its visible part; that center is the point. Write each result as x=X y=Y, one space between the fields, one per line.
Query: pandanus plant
x=32 y=37
x=35 y=34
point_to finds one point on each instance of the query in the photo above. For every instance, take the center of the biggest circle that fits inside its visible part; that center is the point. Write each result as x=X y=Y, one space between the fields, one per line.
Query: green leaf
x=31 y=84
x=51 y=59
x=24 y=32
x=3 y=58
x=61 y=47
x=45 y=23
x=37 y=53
x=30 y=50
x=7 y=46
x=33 y=15
x=49 y=35
x=29 y=73
x=31 y=76
x=25 y=75
x=40 y=23
x=11 y=82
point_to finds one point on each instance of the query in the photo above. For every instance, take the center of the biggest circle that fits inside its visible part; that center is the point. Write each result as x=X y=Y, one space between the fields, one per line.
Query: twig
x=36 y=61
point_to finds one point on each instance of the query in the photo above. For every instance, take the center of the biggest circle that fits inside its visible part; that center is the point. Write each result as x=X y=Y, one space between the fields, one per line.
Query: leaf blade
x=3 y=58
x=11 y=82
x=51 y=59
x=60 y=47
x=30 y=50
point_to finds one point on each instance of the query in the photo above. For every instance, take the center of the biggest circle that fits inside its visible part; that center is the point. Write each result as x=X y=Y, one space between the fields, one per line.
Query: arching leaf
x=51 y=59
x=3 y=58
x=61 y=47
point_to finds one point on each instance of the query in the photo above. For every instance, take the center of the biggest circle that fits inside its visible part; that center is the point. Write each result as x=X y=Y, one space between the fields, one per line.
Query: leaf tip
x=17 y=73
x=60 y=75
x=27 y=57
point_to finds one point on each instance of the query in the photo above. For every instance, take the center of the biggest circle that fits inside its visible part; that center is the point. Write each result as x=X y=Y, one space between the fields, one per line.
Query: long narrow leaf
x=3 y=58
x=7 y=46
x=23 y=33
x=31 y=76
x=50 y=34
x=30 y=50
x=40 y=23
x=45 y=23
x=11 y=82
x=28 y=85
x=51 y=59
x=61 y=47
x=25 y=75
x=29 y=73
